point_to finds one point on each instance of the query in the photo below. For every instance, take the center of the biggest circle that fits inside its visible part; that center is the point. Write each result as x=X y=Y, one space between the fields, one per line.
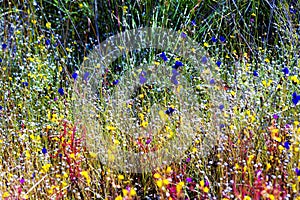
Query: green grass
x=257 y=155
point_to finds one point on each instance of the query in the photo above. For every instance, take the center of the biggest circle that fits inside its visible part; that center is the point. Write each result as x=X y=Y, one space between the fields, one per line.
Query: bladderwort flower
x=48 y=42
x=204 y=60
x=295 y=98
x=4 y=46
x=74 y=76
x=170 y=111
x=61 y=91
x=285 y=71
x=193 y=23
x=115 y=82
x=142 y=77
x=163 y=56
x=177 y=65
x=86 y=75
x=222 y=39
x=213 y=39
x=44 y=150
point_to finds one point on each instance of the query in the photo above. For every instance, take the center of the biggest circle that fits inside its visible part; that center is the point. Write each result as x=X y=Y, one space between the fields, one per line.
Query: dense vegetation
x=253 y=45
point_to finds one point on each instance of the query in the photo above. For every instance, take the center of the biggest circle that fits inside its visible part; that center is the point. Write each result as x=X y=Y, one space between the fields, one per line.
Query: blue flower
x=44 y=150
x=183 y=35
x=177 y=64
x=193 y=22
x=292 y=11
x=74 y=75
x=86 y=75
x=115 y=82
x=213 y=39
x=285 y=71
x=222 y=38
x=287 y=145
x=297 y=172
x=221 y=107
x=47 y=42
x=296 y=98
x=175 y=72
x=174 y=80
x=255 y=73
x=170 y=111
x=4 y=46
x=1 y=107
x=142 y=77
x=219 y=63
x=25 y=84
x=0 y=60
x=163 y=56
x=212 y=81
x=61 y=91
x=204 y=60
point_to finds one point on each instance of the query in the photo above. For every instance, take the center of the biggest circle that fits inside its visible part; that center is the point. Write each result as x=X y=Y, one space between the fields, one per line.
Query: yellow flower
x=125 y=192
x=120 y=177
x=132 y=192
x=144 y=124
x=295 y=79
x=268 y=166
x=271 y=197
x=247 y=198
x=48 y=25
x=5 y=195
x=93 y=155
x=253 y=15
x=80 y=5
x=206 y=44
x=179 y=186
x=85 y=174
x=202 y=183
x=267 y=60
x=157 y=175
x=45 y=168
x=166 y=182
x=168 y=170
x=119 y=197
x=205 y=189
x=159 y=183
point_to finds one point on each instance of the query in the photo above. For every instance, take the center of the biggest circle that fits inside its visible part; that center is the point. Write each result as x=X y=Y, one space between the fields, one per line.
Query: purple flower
x=219 y=63
x=193 y=22
x=213 y=39
x=163 y=56
x=22 y=180
x=221 y=107
x=212 y=81
x=170 y=111
x=296 y=98
x=285 y=71
x=44 y=150
x=4 y=46
x=55 y=99
x=222 y=38
x=115 y=82
x=188 y=160
x=287 y=145
x=86 y=75
x=189 y=179
x=175 y=72
x=204 y=60
x=275 y=116
x=255 y=73
x=74 y=76
x=148 y=141
x=177 y=65
x=183 y=35
x=251 y=20
x=61 y=91
x=33 y=175
x=297 y=172
x=47 y=42
x=174 y=80
x=142 y=77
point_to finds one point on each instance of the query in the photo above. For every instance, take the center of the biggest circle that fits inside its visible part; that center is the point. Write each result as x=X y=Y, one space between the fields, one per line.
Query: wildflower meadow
x=144 y=99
